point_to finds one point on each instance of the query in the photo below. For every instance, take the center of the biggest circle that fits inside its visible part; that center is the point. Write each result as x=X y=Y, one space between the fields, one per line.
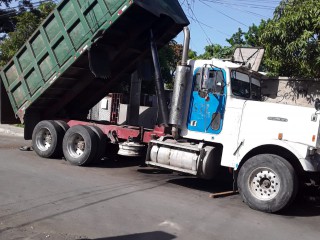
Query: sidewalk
x=7 y=129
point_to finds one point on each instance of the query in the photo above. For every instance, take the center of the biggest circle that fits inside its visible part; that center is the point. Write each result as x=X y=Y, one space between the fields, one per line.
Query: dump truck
x=83 y=49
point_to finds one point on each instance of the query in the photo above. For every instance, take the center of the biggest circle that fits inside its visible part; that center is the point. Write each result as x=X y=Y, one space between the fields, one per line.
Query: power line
x=246 y=11
x=241 y=4
x=200 y=25
x=193 y=17
x=203 y=2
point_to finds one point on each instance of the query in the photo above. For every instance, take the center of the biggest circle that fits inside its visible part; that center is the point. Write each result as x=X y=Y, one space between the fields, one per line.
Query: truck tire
x=63 y=125
x=47 y=139
x=267 y=183
x=80 y=145
x=102 y=142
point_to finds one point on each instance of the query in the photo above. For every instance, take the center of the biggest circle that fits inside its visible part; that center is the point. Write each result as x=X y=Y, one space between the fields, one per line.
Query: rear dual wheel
x=47 y=138
x=102 y=142
x=83 y=144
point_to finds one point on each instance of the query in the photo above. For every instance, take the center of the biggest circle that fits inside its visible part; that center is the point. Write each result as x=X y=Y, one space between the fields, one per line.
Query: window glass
x=255 y=89
x=209 y=80
x=219 y=82
x=240 y=84
x=197 y=85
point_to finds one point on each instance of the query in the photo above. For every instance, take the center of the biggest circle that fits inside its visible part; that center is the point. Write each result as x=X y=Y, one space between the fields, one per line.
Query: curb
x=6 y=129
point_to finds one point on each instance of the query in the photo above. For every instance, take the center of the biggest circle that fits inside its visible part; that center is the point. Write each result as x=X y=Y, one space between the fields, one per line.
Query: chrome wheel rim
x=44 y=139
x=264 y=184
x=76 y=145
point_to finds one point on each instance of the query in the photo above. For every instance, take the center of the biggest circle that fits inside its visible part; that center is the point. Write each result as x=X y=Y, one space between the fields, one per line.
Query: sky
x=212 y=21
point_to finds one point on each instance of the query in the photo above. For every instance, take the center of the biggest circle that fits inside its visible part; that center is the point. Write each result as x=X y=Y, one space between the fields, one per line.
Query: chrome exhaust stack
x=180 y=84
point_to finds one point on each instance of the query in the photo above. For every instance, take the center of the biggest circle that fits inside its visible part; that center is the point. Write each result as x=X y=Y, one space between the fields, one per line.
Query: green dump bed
x=80 y=52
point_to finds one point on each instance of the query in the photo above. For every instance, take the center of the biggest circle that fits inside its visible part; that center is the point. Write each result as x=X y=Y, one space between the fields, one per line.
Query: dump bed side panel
x=52 y=70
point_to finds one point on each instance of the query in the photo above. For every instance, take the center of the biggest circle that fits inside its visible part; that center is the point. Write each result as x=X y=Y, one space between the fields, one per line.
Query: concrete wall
x=101 y=111
x=147 y=116
x=300 y=92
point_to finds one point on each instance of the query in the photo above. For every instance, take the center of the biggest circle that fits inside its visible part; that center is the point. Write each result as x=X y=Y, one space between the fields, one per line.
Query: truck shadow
x=210 y=186
x=118 y=162
x=156 y=235
x=154 y=171
x=306 y=205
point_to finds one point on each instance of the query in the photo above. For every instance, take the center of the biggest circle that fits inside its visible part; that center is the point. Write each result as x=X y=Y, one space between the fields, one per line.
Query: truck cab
x=224 y=122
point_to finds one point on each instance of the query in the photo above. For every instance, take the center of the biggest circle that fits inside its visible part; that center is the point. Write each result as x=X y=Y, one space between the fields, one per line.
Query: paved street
x=50 y=199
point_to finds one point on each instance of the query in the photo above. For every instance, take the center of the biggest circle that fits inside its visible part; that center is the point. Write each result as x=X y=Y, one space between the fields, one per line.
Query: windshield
x=244 y=86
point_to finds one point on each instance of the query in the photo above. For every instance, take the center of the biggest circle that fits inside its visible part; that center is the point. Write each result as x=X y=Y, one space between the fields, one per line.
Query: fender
x=300 y=151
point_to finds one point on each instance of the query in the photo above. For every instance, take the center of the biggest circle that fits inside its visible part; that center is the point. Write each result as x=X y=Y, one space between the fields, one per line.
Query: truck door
x=208 y=100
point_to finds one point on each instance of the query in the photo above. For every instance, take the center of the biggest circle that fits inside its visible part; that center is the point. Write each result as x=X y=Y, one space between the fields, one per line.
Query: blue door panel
x=206 y=111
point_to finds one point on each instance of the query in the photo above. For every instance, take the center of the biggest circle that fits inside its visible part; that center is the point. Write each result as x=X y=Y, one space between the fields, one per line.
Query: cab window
x=245 y=86
x=240 y=84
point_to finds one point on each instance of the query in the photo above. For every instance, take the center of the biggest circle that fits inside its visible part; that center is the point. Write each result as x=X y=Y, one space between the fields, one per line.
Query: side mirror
x=317 y=104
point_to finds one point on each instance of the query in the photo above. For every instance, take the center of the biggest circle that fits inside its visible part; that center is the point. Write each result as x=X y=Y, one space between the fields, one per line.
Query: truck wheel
x=102 y=142
x=267 y=183
x=63 y=125
x=80 y=145
x=47 y=139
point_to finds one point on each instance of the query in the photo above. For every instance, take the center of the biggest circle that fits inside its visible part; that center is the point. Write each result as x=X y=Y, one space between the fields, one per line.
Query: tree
x=7 y=23
x=216 y=51
x=291 y=39
x=237 y=38
x=26 y=24
x=170 y=56
x=192 y=54
x=252 y=37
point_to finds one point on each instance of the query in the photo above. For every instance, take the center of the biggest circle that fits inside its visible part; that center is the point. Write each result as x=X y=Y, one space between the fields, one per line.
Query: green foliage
x=237 y=38
x=7 y=23
x=252 y=37
x=216 y=51
x=291 y=39
x=26 y=23
x=192 y=54
x=7 y=15
x=169 y=57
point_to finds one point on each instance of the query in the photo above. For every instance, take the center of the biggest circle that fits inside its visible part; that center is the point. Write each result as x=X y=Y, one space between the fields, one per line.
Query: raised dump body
x=80 y=52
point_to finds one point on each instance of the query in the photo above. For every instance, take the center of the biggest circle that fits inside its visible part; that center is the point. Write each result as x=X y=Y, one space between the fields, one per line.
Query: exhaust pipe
x=163 y=108
x=180 y=84
x=186 y=44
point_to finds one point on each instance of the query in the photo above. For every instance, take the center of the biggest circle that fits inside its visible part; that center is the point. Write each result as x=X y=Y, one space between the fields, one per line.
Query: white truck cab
x=223 y=122
x=233 y=115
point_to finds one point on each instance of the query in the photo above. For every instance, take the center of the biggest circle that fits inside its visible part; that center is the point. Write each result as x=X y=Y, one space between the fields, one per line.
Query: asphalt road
x=50 y=199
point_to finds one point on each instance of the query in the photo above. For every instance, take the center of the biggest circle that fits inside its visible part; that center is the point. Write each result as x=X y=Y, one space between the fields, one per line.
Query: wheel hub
x=264 y=183
x=76 y=145
x=44 y=139
x=80 y=145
